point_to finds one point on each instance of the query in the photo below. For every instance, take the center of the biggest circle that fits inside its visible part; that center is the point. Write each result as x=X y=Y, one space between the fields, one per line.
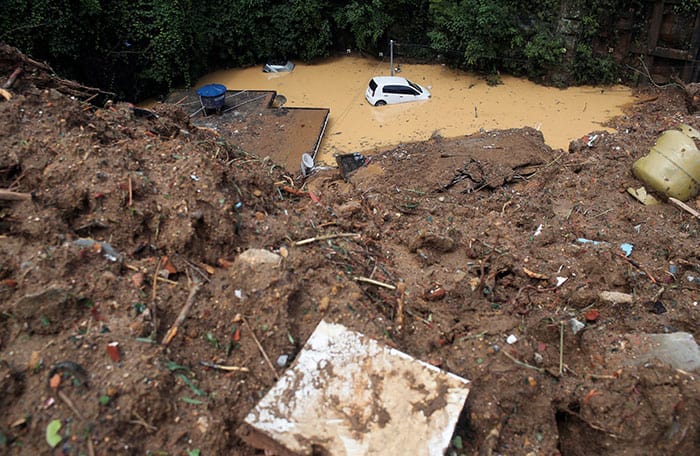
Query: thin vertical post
x=391 y=55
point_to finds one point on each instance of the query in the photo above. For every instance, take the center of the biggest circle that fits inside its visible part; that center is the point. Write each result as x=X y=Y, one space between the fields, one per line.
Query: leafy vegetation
x=139 y=48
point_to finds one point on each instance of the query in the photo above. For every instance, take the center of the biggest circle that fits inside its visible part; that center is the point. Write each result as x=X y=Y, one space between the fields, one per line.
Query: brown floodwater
x=462 y=103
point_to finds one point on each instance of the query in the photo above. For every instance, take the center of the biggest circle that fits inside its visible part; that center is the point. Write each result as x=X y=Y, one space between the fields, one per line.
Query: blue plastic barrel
x=213 y=96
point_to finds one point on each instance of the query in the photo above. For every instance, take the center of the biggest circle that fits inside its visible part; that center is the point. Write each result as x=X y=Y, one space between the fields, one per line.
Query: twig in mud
x=9 y=195
x=400 y=299
x=547 y=165
x=637 y=265
x=154 y=316
x=13 y=77
x=140 y=421
x=591 y=425
x=181 y=317
x=523 y=364
x=131 y=194
x=601 y=377
x=685 y=207
x=325 y=237
x=262 y=350
x=198 y=270
x=159 y=278
x=561 y=348
x=69 y=403
x=600 y=214
x=224 y=368
x=415 y=315
x=374 y=282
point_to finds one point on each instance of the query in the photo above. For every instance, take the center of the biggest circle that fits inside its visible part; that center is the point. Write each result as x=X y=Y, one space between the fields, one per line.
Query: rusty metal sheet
x=347 y=394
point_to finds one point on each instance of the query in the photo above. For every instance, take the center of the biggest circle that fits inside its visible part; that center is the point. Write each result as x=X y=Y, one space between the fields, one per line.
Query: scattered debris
x=99 y=247
x=113 y=351
x=642 y=196
x=350 y=162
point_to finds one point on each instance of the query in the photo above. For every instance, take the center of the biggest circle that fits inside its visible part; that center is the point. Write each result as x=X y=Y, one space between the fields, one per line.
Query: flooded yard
x=462 y=103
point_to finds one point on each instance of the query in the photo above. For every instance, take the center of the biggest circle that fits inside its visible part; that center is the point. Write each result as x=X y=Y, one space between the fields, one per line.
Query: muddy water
x=461 y=103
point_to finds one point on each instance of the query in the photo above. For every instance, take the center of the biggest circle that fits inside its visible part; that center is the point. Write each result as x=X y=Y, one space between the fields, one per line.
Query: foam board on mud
x=347 y=394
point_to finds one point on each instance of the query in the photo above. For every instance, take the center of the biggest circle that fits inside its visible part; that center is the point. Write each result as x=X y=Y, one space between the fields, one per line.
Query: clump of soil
x=123 y=220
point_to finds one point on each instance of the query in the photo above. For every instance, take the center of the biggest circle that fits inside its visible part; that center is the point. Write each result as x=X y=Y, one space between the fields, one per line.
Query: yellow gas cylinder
x=672 y=166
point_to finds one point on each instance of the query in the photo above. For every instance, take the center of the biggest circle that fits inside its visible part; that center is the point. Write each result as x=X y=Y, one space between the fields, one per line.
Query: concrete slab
x=252 y=120
x=347 y=394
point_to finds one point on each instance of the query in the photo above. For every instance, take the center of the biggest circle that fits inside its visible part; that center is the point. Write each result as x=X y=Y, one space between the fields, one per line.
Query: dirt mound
x=122 y=219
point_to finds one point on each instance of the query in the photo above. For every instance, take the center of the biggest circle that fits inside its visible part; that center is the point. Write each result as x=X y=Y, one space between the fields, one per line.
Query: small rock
x=257 y=257
x=576 y=325
x=324 y=303
x=616 y=297
x=441 y=244
x=658 y=308
x=349 y=208
x=539 y=359
x=202 y=424
x=678 y=349
x=282 y=360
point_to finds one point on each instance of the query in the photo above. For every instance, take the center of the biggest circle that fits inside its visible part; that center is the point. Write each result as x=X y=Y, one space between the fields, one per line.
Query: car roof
x=384 y=80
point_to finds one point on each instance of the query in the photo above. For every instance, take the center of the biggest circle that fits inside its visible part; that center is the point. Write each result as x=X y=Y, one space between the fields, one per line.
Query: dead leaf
x=113 y=351
x=592 y=315
x=591 y=394
x=168 y=266
x=55 y=381
x=224 y=263
x=5 y=94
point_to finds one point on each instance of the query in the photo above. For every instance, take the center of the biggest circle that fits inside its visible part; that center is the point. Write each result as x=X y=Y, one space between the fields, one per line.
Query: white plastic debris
x=511 y=339
x=576 y=325
x=347 y=394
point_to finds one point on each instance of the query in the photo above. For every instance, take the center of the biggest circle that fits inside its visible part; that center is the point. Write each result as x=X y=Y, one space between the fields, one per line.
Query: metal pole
x=391 y=55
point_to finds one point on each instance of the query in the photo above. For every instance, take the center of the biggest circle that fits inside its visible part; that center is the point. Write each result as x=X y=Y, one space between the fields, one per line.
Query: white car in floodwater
x=383 y=90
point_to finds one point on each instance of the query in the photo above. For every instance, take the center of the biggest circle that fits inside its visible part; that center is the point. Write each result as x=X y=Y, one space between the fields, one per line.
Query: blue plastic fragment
x=589 y=241
x=627 y=248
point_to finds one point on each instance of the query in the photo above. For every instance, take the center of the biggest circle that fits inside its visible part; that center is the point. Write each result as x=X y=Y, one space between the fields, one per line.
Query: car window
x=394 y=89
x=415 y=86
x=372 y=86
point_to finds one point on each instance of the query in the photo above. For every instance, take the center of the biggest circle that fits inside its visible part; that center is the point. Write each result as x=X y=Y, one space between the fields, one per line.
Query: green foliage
x=139 y=48
x=367 y=22
x=686 y=6
x=588 y=68
x=298 y=28
x=478 y=30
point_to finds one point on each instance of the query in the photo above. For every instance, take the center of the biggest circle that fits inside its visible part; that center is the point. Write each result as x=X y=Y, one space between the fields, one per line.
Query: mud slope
x=123 y=220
